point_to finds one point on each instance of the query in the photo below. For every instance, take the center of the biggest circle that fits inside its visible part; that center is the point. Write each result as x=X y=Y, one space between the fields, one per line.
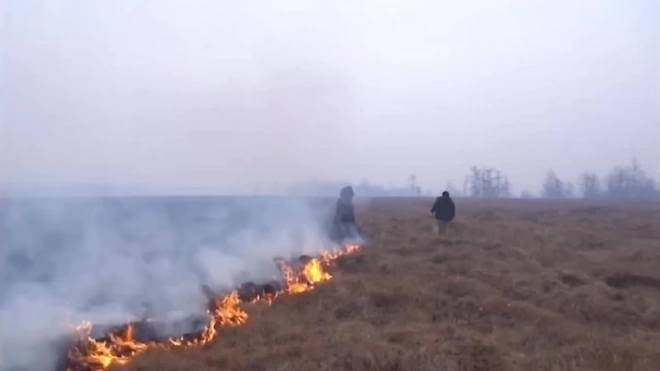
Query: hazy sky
x=205 y=96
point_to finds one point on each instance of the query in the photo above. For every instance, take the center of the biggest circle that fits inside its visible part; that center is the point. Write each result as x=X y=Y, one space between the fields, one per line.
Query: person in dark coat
x=444 y=211
x=345 y=224
x=345 y=210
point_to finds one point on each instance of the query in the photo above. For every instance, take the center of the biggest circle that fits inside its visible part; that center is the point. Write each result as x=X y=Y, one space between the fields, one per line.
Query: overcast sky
x=207 y=96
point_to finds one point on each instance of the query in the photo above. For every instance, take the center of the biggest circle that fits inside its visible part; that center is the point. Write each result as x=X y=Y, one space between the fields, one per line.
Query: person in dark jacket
x=345 y=224
x=345 y=210
x=444 y=211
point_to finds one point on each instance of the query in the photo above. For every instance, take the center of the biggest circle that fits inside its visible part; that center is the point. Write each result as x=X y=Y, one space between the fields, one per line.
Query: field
x=514 y=285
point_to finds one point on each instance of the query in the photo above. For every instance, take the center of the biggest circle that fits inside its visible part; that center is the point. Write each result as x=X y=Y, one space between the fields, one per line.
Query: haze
x=213 y=97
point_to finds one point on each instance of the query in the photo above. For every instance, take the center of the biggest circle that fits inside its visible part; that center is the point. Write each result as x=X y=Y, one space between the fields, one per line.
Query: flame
x=120 y=347
x=99 y=355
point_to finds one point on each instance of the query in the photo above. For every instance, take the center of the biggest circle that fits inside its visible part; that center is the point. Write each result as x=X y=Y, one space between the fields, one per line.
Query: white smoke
x=106 y=260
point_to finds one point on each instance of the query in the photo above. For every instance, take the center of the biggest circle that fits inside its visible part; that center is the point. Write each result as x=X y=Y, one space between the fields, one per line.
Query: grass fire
x=94 y=348
x=511 y=285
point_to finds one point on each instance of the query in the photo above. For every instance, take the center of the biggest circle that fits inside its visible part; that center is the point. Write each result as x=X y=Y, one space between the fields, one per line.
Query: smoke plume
x=109 y=260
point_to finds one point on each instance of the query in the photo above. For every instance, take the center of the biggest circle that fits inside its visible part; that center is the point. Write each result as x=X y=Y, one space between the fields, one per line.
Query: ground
x=515 y=285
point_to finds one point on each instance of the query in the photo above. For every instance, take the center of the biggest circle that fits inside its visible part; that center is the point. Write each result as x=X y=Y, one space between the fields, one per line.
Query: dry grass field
x=514 y=285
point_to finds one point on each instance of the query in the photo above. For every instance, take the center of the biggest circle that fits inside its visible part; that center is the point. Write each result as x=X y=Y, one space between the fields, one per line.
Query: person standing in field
x=344 y=220
x=444 y=211
x=345 y=210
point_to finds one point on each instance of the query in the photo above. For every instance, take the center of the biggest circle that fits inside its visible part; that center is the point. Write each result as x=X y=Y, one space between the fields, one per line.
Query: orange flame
x=89 y=354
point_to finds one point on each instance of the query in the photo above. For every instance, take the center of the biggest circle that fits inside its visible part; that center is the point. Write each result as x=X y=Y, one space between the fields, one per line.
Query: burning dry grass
x=516 y=285
x=119 y=345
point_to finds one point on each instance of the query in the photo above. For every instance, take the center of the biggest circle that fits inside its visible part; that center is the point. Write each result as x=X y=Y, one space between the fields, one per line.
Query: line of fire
x=95 y=347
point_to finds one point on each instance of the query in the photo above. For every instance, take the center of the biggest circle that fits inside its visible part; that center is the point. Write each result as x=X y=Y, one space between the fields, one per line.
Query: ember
x=97 y=347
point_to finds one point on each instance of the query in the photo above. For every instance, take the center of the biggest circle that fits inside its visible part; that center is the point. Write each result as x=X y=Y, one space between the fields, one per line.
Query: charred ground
x=516 y=285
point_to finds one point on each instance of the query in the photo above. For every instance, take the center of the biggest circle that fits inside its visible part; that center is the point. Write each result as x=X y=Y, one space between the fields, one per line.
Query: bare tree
x=412 y=179
x=506 y=188
x=590 y=185
x=487 y=183
x=552 y=186
x=555 y=188
x=631 y=182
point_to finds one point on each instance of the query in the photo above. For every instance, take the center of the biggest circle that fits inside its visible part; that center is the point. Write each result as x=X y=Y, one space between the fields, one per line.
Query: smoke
x=108 y=260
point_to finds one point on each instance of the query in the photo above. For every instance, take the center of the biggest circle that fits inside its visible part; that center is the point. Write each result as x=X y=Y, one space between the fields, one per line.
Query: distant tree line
x=622 y=182
x=486 y=182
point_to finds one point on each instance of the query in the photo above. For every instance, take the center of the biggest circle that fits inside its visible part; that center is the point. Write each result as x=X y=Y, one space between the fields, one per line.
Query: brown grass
x=515 y=285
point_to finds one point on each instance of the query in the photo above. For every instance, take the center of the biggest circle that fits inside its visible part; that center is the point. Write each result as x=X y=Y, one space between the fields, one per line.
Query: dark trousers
x=442 y=225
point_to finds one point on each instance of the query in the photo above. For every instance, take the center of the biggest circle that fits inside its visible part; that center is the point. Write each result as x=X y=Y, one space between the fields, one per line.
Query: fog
x=215 y=97
x=208 y=97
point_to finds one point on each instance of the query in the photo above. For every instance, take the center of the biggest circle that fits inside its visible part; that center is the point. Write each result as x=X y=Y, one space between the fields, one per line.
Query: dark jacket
x=345 y=211
x=444 y=209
